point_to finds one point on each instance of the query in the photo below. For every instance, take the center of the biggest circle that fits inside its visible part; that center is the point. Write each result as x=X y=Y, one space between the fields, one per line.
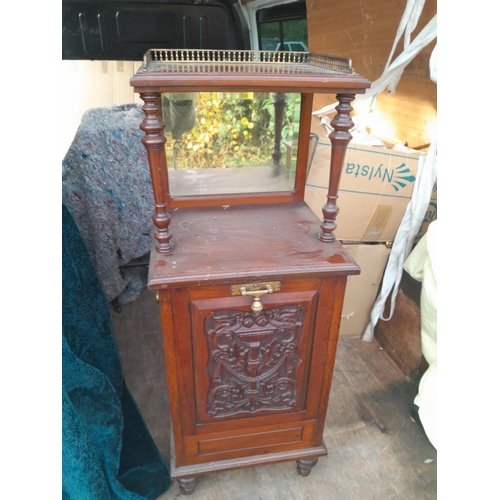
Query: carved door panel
x=251 y=365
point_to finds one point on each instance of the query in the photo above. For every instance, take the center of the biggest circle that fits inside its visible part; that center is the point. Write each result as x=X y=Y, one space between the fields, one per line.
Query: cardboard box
x=375 y=188
x=362 y=290
x=430 y=215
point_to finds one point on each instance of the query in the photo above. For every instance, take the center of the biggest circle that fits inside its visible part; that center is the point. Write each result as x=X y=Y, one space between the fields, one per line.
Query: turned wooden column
x=340 y=138
x=279 y=102
x=154 y=140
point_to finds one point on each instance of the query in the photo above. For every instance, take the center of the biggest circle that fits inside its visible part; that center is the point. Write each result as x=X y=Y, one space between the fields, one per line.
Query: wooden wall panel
x=401 y=337
x=365 y=31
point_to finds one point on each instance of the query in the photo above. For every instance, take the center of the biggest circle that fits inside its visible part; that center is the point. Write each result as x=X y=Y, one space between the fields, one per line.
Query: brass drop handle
x=256 y=304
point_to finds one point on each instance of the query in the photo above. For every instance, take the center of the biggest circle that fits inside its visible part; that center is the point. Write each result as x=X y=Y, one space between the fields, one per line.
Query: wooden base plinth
x=187 y=475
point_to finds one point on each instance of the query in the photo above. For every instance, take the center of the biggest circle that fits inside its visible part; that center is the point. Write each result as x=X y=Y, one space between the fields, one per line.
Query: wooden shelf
x=215 y=244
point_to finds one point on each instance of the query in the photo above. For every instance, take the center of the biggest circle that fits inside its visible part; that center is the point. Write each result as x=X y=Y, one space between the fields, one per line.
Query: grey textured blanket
x=107 y=189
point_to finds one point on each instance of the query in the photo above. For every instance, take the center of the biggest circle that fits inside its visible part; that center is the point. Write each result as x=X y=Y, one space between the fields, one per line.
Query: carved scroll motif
x=253 y=360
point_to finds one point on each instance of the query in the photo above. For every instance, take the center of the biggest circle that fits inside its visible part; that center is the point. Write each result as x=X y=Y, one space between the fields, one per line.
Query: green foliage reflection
x=232 y=130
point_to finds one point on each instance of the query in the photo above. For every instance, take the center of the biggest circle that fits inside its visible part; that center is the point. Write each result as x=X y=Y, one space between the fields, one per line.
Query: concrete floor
x=376 y=450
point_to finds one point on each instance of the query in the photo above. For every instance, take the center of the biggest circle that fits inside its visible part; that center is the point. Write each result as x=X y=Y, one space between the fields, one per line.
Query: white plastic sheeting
x=427 y=169
x=408 y=229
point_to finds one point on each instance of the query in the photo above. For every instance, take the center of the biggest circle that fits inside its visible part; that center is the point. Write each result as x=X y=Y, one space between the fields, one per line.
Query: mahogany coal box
x=250 y=286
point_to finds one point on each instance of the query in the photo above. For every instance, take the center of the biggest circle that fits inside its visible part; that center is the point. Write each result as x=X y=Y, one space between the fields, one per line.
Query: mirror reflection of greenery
x=233 y=130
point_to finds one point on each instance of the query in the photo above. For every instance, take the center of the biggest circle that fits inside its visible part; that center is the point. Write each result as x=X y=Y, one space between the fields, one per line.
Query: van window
x=283 y=27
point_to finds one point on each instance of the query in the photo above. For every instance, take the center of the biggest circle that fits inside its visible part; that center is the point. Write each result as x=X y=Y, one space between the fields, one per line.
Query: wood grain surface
x=365 y=32
x=217 y=244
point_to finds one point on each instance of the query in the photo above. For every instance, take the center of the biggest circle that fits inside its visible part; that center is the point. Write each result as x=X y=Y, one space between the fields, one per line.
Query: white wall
x=92 y=84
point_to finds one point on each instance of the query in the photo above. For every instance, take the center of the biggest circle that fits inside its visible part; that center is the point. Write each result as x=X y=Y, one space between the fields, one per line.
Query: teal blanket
x=107 y=450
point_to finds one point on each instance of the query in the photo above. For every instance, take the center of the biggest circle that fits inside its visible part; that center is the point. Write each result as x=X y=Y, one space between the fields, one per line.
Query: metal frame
x=155 y=58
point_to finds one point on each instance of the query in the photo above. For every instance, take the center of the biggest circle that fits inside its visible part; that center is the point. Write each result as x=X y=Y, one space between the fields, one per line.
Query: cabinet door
x=251 y=365
x=244 y=384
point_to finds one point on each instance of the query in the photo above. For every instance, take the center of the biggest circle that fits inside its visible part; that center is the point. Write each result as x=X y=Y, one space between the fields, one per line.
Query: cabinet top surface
x=227 y=70
x=222 y=244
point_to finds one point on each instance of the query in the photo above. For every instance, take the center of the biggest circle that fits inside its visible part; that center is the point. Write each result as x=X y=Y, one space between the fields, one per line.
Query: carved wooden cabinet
x=250 y=286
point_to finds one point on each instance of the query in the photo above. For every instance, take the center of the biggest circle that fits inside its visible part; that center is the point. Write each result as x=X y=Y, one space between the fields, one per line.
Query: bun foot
x=305 y=466
x=188 y=484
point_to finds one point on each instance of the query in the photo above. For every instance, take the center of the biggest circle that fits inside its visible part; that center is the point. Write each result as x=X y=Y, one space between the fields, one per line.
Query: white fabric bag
x=422 y=266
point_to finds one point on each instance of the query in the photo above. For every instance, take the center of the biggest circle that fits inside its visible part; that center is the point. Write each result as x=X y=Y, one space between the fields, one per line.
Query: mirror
x=231 y=142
